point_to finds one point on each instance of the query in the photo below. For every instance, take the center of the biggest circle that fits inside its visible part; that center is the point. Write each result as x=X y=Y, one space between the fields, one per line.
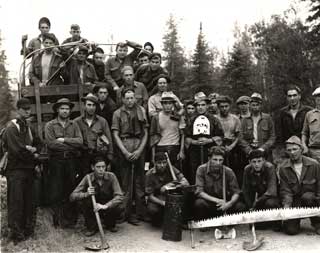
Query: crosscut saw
x=257 y=216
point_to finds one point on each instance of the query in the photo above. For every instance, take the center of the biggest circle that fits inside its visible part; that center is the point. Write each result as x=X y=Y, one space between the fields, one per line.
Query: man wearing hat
x=20 y=173
x=311 y=129
x=291 y=117
x=257 y=131
x=96 y=134
x=140 y=90
x=106 y=106
x=154 y=105
x=243 y=103
x=115 y=63
x=148 y=73
x=46 y=64
x=213 y=106
x=79 y=70
x=299 y=184
x=167 y=132
x=203 y=131
x=64 y=142
x=158 y=181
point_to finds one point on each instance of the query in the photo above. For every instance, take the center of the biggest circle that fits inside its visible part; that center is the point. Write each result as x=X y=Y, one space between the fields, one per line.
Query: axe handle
x=174 y=177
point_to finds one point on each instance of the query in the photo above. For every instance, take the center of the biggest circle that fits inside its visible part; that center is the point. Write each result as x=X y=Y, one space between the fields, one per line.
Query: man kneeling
x=109 y=197
x=158 y=181
x=210 y=201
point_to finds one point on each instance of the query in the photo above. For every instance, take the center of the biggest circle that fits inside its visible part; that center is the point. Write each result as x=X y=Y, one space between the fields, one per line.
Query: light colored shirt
x=311 y=128
x=45 y=63
x=231 y=126
x=155 y=106
x=255 y=127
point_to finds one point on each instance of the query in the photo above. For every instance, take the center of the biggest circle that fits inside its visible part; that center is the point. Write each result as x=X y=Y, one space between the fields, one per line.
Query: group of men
x=206 y=144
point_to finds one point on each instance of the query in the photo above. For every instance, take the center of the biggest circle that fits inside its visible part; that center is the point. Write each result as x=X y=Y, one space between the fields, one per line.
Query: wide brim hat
x=90 y=97
x=243 y=99
x=167 y=96
x=200 y=97
x=62 y=101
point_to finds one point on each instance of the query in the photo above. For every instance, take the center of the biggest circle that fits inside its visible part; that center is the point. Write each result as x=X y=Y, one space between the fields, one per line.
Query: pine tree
x=175 y=61
x=5 y=96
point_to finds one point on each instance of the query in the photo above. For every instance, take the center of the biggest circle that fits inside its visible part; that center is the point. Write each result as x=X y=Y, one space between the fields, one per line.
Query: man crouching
x=109 y=196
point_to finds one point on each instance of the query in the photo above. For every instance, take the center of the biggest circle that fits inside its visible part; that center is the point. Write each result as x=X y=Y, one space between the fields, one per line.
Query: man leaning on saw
x=299 y=184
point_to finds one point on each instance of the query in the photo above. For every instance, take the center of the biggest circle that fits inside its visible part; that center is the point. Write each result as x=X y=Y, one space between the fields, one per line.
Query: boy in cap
x=158 y=181
x=203 y=131
x=109 y=197
x=96 y=134
x=167 y=133
x=64 y=141
x=213 y=106
x=311 y=129
x=243 y=103
x=299 y=184
x=46 y=64
x=20 y=173
x=257 y=131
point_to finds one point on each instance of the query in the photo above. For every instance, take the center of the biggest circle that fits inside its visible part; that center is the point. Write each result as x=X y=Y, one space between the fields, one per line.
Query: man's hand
x=163 y=203
x=38 y=169
x=31 y=149
x=42 y=84
x=224 y=206
x=135 y=155
x=61 y=140
x=24 y=38
x=127 y=155
x=91 y=191
x=99 y=207
x=115 y=88
x=181 y=156
x=218 y=140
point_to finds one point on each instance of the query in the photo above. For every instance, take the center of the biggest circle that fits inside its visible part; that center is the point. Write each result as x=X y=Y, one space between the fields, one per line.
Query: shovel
x=256 y=243
x=104 y=245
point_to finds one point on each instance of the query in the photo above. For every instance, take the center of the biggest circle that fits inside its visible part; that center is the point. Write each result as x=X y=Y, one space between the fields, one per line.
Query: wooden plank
x=58 y=90
x=47 y=108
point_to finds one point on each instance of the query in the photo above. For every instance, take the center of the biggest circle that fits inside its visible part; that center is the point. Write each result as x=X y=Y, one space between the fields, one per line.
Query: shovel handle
x=94 y=202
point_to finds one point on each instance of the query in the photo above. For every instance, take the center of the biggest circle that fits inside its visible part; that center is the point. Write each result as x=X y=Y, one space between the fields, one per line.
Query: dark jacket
x=107 y=110
x=99 y=68
x=35 y=44
x=73 y=77
x=35 y=71
x=287 y=126
x=291 y=189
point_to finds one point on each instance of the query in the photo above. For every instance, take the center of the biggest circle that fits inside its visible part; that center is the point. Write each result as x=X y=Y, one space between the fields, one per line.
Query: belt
x=129 y=137
x=66 y=154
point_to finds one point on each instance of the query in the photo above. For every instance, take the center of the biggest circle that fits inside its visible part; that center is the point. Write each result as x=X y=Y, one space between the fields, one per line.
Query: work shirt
x=80 y=73
x=291 y=188
x=263 y=182
x=311 y=128
x=231 y=126
x=108 y=192
x=91 y=134
x=71 y=133
x=289 y=126
x=154 y=180
x=130 y=123
x=140 y=93
x=211 y=181
x=106 y=109
x=155 y=106
x=265 y=133
x=37 y=43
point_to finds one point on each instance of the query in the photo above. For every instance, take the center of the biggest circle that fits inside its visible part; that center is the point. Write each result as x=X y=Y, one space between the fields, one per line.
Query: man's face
x=293 y=97
x=128 y=76
x=144 y=60
x=201 y=107
x=161 y=166
x=294 y=151
x=102 y=94
x=24 y=112
x=44 y=28
x=255 y=107
x=162 y=84
x=243 y=107
x=190 y=109
x=98 y=169
x=213 y=105
x=257 y=163
x=148 y=48
x=75 y=34
x=64 y=111
x=122 y=52
x=82 y=56
x=129 y=99
x=48 y=43
x=98 y=57
x=155 y=63
x=224 y=109
x=217 y=160
x=167 y=106
x=90 y=107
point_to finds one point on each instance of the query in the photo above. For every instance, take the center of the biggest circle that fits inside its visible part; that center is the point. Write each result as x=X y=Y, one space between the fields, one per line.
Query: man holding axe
x=159 y=179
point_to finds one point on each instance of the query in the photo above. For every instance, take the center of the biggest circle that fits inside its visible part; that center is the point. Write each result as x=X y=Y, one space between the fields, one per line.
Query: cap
x=90 y=97
x=213 y=96
x=83 y=48
x=243 y=99
x=62 y=101
x=316 y=92
x=200 y=96
x=224 y=99
x=294 y=140
x=160 y=156
x=23 y=103
x=167 y=96
x=256 y=97
x=256 y=153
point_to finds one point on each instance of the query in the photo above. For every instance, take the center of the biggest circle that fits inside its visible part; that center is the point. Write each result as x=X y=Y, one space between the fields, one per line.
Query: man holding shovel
x=108 y=194
x=130 y=132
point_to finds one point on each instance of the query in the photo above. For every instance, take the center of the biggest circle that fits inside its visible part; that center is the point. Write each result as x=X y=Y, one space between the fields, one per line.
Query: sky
x=136 y=20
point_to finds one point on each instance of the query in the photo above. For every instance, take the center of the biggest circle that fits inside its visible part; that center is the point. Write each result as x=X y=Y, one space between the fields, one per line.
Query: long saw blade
x=256 y=216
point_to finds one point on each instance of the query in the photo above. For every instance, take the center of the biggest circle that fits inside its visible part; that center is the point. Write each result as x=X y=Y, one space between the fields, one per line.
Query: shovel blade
x=250 y=246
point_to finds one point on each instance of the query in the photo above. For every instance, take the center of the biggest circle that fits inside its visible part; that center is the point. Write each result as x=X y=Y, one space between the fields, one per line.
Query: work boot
x=113 y=229
x=133 y=221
